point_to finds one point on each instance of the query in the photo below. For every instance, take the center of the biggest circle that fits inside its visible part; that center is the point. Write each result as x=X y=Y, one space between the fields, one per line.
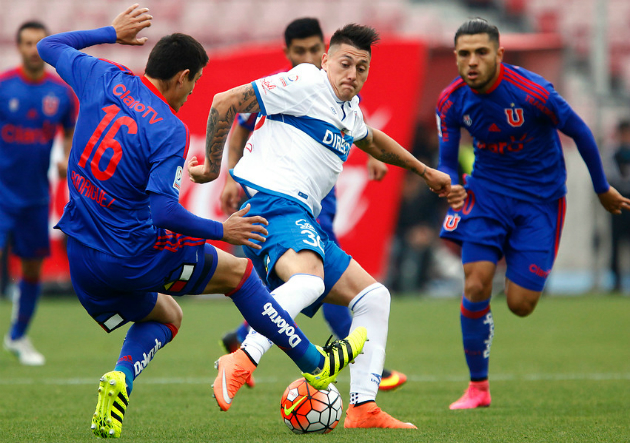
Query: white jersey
x=302 y=137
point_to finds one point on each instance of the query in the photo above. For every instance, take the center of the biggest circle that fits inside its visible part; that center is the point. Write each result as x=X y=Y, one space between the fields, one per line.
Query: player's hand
x=231 y=196
x=613 y=201
x=376 y=169
x=129 y=23
x=62 y=169
x=438 y=181
x=199 y=173
x=240 y=230
x=457 y=196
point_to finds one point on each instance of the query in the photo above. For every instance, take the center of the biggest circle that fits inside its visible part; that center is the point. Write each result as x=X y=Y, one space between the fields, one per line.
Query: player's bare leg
x=521 y=301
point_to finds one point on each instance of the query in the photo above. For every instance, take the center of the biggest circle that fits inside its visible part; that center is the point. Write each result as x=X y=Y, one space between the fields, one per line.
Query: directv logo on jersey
x=337 y=141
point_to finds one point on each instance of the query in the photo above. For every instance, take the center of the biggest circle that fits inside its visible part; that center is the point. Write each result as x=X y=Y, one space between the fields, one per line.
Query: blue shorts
x=490 y=226
x=116 y=290
x=27 y=229
x=291 y=226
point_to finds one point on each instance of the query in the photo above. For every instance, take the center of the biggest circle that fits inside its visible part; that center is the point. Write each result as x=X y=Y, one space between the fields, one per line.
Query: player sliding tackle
x=135 y=243
x=309 y=120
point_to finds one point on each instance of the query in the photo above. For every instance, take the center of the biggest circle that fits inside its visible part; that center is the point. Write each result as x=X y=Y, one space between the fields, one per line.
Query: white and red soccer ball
x=306 y=410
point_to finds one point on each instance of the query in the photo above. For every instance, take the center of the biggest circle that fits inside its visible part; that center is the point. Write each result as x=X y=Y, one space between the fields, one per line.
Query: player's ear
x=500 y=53
x=325 y=61
x=182 y=76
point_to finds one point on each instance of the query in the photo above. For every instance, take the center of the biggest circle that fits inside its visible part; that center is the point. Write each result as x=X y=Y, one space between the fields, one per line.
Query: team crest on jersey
x=14 y=104
x=515 y=116
x=267 y=85
x=451 y=222
x=467 y=120
x=177 y=184
x=50 y=104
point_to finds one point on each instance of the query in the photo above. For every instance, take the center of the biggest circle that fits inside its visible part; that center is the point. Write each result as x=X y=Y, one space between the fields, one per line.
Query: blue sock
x=142 y=342
x=477 y=332
x=242 y=331
x=338 y=318
x=267 y=317
x=26 y=304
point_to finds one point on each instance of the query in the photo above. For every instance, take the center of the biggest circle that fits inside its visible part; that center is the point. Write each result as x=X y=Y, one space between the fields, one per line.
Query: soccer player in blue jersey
x=513 y=203
x=304 y=42
x=131 y=243
x=309 y=120
x=34 y=104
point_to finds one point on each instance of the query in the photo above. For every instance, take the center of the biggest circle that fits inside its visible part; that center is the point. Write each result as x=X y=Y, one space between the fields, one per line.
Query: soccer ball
x=306 y=410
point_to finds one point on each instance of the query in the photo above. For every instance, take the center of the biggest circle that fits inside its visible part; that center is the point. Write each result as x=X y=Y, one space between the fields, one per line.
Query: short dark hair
x=33 y=24
x=175 y=53
x=302 y=28
x=359 y=36
x=478 y=25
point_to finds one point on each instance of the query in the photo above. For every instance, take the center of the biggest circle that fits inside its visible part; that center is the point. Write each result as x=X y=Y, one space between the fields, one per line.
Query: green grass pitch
x=561 y=375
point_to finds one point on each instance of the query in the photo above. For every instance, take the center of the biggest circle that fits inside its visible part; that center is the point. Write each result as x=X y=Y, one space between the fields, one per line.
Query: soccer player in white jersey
x=304 y=42
x=309 y=120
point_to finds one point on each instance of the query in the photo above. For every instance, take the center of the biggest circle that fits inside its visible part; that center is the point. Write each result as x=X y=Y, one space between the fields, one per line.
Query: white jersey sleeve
x=288 y=92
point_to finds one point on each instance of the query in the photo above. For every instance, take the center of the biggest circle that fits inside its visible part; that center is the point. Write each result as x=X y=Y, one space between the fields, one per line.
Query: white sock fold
x=300 y=291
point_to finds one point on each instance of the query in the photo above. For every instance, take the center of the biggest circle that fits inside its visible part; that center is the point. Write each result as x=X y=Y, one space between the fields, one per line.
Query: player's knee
x=177 y=315
x=32 y=269
x=374 y=298
x=522 y=308
x=476 y=290
x=231 y=277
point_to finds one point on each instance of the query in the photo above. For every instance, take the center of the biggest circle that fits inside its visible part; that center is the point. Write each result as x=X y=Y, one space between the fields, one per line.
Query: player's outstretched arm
x=613 y=201
x=382 y=147
x=225 y=106
x=240 y=230
x=167 y=213
x=123 y=30
x=129 y=23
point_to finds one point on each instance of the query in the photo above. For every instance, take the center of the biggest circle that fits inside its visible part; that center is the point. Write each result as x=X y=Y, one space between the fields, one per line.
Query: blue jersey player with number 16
x=131 y=245
x=513 y=203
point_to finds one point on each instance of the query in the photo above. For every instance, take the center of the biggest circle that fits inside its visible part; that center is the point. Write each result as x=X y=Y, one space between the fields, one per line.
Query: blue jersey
x=128 y=142
x=30 y=114
x=514 y=128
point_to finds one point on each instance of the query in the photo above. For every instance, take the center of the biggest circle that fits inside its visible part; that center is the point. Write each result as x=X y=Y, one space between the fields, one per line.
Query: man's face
x=28 y=48
x=347 y=68
x=186 y=88
x=305 y=50
x=478 y=60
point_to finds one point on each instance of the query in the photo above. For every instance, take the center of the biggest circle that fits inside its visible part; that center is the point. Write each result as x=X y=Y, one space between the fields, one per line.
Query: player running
x=130 y=241
x=304 y=41
x=33 y=105
x=310 y=119
x=513 y=204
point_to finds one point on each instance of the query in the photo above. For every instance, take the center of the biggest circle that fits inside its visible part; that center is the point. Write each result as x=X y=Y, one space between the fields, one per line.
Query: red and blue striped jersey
x=514 y=128
x=128 y=143
x=31 y=112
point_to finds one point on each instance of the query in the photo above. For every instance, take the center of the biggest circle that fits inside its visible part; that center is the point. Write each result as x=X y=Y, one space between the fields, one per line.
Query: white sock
x=370 y=309
x=296 y=294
